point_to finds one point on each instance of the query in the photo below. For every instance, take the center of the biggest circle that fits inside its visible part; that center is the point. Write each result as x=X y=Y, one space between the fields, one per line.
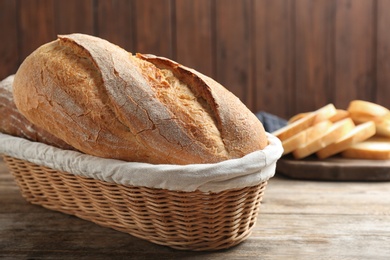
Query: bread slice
x=340 y=114
x=360 y=118
x=305 y=122
x=363 y=111
x=357 y=134
x=294 y=128
x=294 y=142
x=324 y=113
x=383 y=126
x=328 y=136
x=382 y=123
x=374 y=148
x=297 y=117
x=305 y=136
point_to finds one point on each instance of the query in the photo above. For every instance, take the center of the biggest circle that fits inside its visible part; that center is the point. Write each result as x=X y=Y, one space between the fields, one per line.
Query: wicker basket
x=194 y=220
x=181 y=220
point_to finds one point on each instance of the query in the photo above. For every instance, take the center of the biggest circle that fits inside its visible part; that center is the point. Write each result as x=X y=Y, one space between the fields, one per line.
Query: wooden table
x=298 y=220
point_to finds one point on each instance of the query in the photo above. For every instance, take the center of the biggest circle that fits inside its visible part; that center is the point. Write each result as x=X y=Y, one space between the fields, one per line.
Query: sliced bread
x=358 y=134
x=305 y=136
x=305 y=122
x=328 y=136
x=373 y=148
x=366 y=107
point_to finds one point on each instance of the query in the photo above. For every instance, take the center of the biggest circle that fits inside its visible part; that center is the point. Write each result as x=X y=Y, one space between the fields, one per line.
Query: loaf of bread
x=109 y=103
x=12 y=122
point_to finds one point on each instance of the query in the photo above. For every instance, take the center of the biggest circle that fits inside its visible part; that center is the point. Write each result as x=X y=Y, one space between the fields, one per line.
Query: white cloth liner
x=249 y=170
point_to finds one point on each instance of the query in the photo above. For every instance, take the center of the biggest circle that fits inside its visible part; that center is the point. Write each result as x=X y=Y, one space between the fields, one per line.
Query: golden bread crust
x=106 y=102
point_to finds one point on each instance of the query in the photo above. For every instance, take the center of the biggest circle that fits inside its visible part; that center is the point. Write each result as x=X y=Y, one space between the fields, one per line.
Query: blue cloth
x=271 y=122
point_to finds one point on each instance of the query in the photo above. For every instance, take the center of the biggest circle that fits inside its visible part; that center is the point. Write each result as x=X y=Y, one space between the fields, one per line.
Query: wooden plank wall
x=281 y=56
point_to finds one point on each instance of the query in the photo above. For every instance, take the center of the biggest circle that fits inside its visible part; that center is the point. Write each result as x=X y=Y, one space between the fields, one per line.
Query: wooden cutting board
x=334 y=169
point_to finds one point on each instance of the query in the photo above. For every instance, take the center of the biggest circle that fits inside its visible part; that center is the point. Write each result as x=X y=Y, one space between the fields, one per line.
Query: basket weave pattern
x=181 y=220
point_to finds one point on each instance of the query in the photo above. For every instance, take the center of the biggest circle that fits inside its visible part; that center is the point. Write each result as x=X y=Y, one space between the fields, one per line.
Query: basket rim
x=250 y=170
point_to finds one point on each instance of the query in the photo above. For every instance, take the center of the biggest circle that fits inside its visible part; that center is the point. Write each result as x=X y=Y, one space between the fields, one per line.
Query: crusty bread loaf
x=12 y=122
x=106 y=102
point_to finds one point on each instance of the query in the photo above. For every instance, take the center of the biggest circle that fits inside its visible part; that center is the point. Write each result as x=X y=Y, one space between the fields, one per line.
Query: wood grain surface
x=298 y=220
x=10 y=56
x=280 y=56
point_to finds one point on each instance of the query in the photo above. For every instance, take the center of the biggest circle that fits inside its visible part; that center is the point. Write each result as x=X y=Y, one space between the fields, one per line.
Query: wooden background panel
x=273 y=56
x=154 y=27
x=194 y=35
x=383 y=53
x=234 y=48
x=314 y=57
x=74 y=16
x=354 y=50
x=9 y=55
x=115 y=23
x=283 y=57
x=36 y=25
